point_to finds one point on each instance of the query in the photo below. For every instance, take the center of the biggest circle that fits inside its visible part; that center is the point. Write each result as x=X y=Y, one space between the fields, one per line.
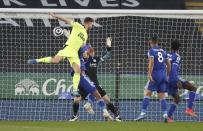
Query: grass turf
x=99 y=126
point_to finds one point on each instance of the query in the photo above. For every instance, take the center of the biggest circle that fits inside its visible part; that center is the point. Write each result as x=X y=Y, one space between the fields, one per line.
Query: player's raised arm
x=107 y=54
x=66 y=20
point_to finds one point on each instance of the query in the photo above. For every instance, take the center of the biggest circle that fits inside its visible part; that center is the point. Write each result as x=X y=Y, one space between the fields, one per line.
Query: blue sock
x=101 y=104
x=163 y=105
x=90 y=99
x=145 y=104
x=172 y=109
x=191 y=99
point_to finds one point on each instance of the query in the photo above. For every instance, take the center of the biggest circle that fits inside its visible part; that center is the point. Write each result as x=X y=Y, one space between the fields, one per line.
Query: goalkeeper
x=91 y=64
x=77 y=39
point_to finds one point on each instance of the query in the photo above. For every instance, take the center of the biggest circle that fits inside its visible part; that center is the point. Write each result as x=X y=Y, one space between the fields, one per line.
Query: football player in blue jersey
x=175 y=83
x=158 y=69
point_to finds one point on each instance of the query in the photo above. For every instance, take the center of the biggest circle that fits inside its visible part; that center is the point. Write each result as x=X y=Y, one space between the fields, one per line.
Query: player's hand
x=179 y=84
x=108 y=41
x=52 y=14
x=75 y=94
x=66 y=33
x=150 y=78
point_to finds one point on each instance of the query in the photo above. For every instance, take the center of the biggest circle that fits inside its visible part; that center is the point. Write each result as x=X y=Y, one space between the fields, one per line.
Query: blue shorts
x=172 y=87
x=160 y=82
x=87 y=85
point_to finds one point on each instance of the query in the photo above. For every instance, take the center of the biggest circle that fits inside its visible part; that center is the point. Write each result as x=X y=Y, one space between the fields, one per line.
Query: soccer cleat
x=106 y=115
x=89 y=108
x=190 y=112
x=140 y=117
x=118 y=119
x=74 y=118
x=170 y=120
x=32 y=61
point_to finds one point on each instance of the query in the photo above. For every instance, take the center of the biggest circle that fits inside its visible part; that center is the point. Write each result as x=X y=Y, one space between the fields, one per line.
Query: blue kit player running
x=157 y=76
x=175 y=83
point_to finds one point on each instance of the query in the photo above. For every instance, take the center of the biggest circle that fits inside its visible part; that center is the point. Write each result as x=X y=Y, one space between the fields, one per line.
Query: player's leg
x=89 y=87
x=176 y=99
x=56 y=59
x=162 y=96
x=76 y=103
x=149 y=88
x=191 y=87
x=163 y=102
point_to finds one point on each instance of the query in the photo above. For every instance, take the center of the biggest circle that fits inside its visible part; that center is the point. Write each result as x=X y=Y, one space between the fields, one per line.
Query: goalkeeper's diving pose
x=175 y=83
x=157 y=75
x=91 y=63
x=77 y=39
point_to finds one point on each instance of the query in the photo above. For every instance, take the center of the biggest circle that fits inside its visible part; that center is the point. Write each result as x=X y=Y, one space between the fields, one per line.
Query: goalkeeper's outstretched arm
x=66 y=20
x=107 y=54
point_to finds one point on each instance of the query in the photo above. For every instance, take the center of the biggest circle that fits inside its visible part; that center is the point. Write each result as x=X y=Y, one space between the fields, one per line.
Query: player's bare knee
x=77 y=99
x=148 y=93
x=97 y=95
x=106 y=99
x=161 y=95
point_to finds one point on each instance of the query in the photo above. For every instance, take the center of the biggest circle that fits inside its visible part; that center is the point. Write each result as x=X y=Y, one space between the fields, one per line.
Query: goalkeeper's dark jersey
x=93 y=62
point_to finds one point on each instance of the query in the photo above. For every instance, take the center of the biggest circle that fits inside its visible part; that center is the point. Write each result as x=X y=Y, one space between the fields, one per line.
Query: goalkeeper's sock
x=145 y=104
x=76 y=80
x=172 y=109
x=75 y=108
x=163 y=105
x=90 y=99
x=191 y=99
x=112 y=108
x=101 y=104
x=44 y=60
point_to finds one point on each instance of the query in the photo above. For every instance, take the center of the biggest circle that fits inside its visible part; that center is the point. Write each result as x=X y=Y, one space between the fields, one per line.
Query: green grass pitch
x=99 y=126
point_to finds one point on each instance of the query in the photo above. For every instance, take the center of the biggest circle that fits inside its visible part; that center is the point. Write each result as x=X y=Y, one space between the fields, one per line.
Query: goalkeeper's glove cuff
x=108 y=48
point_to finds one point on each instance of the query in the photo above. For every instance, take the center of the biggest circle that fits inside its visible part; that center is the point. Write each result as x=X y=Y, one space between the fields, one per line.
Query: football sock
x=145 y=104
x=44 y=60
x=101 y=104
x=76 y=80
x=172 y=109
x=191 y=99
x=112 y=108
x=75 y=108
x=163 y=105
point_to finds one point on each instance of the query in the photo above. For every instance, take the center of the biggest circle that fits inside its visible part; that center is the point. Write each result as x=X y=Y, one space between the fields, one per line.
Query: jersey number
x=160 y=57
x=81 y=35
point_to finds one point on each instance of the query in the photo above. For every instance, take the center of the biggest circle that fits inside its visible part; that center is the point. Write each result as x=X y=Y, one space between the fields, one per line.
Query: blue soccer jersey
x=159 y=69
x=175 y=67
x=174 y=77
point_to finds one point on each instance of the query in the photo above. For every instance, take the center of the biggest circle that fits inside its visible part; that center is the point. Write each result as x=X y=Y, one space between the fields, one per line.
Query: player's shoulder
x=77 y=24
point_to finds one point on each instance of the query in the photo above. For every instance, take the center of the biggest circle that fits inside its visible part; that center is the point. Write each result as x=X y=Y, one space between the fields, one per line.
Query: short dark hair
x=154 y=39
x=88 y=19
x=175 y=45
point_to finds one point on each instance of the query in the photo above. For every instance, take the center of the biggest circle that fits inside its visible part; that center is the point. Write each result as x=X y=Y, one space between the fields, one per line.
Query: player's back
x=159 y=56
x=78 y=36
x=159 y=69
x=174 y=57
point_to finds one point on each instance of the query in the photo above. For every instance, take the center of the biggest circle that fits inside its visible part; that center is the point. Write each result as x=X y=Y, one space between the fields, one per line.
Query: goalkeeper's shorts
x=70 y=54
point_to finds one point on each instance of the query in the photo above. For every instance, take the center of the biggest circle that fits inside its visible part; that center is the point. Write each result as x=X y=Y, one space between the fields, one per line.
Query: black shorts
x=83 y=94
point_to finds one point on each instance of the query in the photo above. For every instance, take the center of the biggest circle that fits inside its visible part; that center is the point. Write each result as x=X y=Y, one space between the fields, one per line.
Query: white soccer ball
x=57 y=31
